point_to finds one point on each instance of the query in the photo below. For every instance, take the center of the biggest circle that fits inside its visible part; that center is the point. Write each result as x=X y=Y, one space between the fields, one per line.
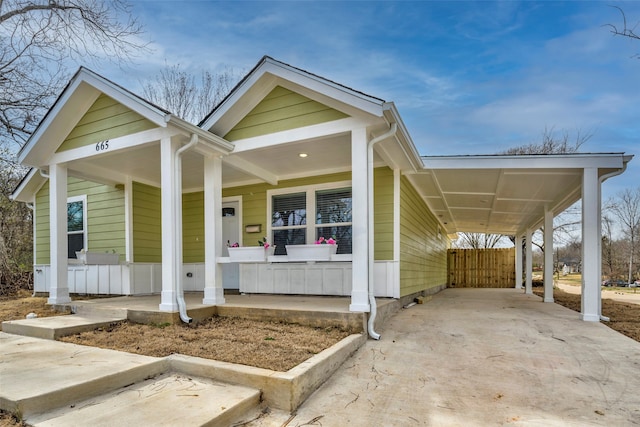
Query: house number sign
x=102 y=146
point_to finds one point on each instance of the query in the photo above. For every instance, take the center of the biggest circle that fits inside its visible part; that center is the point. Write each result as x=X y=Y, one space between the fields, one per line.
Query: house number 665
x=102 y=146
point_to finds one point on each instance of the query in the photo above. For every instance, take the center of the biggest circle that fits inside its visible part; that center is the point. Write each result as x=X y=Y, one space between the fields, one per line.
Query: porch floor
x=317 y=311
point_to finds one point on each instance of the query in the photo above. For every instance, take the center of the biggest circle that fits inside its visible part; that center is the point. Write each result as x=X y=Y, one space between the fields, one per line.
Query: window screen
x=75 y=227
x=288 y=220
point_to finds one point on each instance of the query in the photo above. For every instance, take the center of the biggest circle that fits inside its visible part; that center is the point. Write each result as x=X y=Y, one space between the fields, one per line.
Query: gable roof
x=269 y=73
x=80 y=93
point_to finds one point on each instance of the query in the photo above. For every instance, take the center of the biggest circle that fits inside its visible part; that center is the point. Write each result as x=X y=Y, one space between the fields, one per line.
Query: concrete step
x=39 y=375
x=58 y=326
x=167 y=400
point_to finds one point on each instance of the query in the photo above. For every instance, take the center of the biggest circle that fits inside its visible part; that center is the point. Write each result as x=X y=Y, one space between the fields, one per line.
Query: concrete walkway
x=482 y=357
x=468 y=357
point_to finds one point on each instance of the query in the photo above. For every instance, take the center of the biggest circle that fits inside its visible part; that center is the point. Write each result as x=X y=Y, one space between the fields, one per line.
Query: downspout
x=177 y=189
x=372 y=300
x=602 y=179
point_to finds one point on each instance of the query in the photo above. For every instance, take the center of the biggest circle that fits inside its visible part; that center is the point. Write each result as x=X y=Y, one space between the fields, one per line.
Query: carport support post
x=518 y=262
x=528 y=287
x=591 y=255
x=548 y=256
x=360 y=241
x=59 y=289
x=168 y=203
x=213 y=291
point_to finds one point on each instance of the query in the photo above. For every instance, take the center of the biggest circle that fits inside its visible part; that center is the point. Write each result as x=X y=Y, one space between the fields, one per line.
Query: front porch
x=316 y=311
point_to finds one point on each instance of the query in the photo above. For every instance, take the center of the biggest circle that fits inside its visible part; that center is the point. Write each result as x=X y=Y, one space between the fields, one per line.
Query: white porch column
x=59 y=245
x=518 y=262
x=591 y=244
x=213 y=290
x=360 y=265
x=548 y=256
x=528 y=288
x=169 y=225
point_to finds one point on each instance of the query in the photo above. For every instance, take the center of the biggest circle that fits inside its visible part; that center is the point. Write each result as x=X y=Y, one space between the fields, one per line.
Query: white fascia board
x=81 y=92
x=28 y=187
x=214 y=142
x=541 y=161
x=403 y=137
x=299 y=134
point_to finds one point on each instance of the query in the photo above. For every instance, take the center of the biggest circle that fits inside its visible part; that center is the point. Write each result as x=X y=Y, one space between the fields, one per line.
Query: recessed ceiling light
x=303 y=155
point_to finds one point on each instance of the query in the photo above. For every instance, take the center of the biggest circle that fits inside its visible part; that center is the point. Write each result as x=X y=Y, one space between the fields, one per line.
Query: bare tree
x=626 y=206
x=39 y=41
x=38 y=38
x=552 y=143
x=185 y=95
x=624 y=30
x=479 y=240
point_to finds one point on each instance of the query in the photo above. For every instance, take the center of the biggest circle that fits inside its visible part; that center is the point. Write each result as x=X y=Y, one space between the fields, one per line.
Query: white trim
x=128 y=219
x=114 y=144
x=237 y=199
x=85 y=223
x=310 y=191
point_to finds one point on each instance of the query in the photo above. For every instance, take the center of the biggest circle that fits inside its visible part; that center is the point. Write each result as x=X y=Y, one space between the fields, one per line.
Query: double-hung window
x=302 y=215
x=76 y=225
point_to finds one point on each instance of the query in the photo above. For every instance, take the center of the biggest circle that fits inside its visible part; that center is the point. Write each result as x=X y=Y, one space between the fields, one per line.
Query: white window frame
x=85 y=238
x=310 y=191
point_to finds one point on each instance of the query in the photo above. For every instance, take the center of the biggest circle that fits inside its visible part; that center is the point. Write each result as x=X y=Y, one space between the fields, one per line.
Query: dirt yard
x=275 y=346
x=624 y=317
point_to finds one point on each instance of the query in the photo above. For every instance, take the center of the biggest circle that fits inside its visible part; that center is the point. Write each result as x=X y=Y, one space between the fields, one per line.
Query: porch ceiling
x=324 y=155
x=504 y=194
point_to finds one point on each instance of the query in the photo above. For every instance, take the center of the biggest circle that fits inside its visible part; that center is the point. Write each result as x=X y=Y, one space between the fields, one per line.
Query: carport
x=516 y=195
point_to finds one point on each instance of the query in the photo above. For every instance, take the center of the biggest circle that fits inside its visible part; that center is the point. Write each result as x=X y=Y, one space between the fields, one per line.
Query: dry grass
x=269 y=345
x=18 y=306
x=624 y=317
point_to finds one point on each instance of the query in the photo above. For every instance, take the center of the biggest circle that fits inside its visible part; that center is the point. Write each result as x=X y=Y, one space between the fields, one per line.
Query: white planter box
x=250 y=254
x=310 y=252
x=98 y=258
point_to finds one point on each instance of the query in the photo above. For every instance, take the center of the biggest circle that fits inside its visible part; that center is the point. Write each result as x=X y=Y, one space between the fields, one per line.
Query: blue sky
x=467 y=77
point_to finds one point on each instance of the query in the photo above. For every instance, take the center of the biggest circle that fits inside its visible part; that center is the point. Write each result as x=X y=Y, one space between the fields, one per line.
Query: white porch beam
x=213 y=289
x=252 y=169
x=59 y=246
x=360 y=264
x=169 y=201
x=528 y=286
x=591 y=255
x=548 y=256
x=518 y=262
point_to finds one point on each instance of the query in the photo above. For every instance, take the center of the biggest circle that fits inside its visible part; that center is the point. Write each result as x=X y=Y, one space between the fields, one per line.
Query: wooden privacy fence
x=481 y=268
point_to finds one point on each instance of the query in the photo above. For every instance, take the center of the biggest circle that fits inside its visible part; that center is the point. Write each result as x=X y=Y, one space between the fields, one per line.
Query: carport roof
x=506 y=194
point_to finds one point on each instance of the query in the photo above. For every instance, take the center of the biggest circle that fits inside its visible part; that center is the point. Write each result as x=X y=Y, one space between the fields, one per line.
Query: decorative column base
x=59 y=296
x=360 y=302
x=590 y=317
x=213 y=296
x=168 y=301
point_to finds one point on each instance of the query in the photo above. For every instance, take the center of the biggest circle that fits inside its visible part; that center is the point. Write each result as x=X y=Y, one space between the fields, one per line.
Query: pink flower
x=266 y=245
x=331 y=241
x=320 y=241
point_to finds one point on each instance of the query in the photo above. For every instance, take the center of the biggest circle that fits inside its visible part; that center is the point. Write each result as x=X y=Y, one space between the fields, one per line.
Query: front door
x=230 y=235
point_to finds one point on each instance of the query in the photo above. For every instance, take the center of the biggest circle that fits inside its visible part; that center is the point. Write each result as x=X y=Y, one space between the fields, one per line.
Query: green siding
x=383 y=213
x=254 y=200
x=282 y=110
x=147 y=226
x=105 y=218
x=193 y=227
x=105 y=119
x=423 y=256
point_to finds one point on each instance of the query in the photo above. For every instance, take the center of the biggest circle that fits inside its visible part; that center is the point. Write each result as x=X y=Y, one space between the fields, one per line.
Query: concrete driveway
x=481 y=357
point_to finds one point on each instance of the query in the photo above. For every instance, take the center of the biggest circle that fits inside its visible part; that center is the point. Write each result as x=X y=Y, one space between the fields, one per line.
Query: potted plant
x=258 y=253
x=321 y=250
